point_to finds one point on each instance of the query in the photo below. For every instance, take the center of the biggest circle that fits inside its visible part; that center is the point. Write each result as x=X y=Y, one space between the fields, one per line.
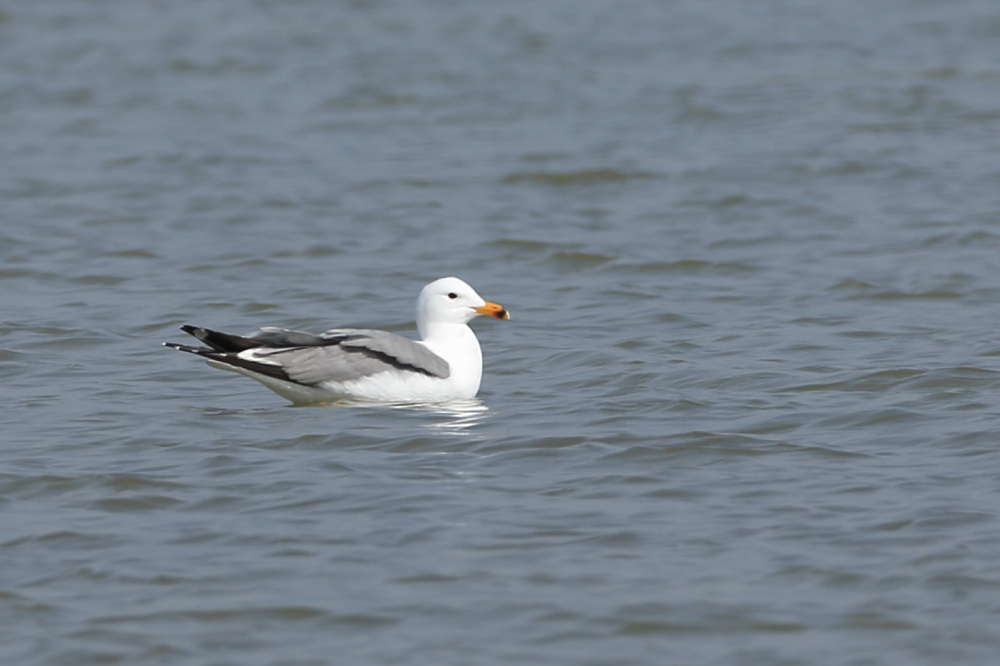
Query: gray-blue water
x=746 y=412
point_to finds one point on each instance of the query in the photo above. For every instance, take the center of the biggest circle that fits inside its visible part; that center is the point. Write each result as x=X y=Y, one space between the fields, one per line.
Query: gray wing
x=345 y=354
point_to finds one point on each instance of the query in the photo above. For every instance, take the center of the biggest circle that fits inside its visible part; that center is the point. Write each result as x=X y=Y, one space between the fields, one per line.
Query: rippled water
x=745 y=411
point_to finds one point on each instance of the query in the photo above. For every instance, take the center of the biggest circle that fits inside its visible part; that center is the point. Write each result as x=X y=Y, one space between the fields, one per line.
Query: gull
x=364 y=365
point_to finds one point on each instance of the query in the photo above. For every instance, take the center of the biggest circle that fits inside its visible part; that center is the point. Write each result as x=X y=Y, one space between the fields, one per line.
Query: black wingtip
x=186 y=348
x=196 y=331
x=221 y=342
x=191 y=330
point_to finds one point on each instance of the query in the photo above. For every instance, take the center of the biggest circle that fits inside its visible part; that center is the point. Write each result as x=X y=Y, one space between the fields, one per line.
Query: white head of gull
x=366 y=365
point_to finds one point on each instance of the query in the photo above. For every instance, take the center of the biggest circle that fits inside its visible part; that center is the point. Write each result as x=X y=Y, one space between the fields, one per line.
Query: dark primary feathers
x=338 y=355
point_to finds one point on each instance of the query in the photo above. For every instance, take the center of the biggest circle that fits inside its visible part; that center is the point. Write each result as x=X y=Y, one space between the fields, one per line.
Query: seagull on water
x=364 y=365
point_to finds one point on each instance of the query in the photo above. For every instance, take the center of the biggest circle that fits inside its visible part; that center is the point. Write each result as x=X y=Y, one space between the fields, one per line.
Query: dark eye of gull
x=452 y=295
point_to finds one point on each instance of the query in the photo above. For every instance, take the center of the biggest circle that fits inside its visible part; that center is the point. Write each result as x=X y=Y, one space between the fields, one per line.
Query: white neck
x=458 y=345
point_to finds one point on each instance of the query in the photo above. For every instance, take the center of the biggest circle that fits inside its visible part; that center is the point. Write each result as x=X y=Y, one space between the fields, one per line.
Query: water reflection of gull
x=456 y=418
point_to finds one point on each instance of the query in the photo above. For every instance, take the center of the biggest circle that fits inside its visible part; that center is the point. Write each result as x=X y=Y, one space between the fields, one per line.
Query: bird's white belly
x=404 y=386
x=382 y=387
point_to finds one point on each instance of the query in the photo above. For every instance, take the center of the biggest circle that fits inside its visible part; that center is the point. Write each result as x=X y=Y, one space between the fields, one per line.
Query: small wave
x=583 y=177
